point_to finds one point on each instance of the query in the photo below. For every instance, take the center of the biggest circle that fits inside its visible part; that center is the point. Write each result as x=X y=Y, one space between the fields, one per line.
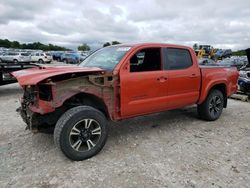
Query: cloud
x=223 y=24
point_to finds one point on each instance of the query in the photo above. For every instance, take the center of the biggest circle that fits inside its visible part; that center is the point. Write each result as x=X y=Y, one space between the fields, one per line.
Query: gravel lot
x=169 y=149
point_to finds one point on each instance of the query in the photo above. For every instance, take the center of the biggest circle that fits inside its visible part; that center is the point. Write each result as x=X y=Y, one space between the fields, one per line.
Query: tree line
x=35 y=45
x=86 y=47
x=46 y=47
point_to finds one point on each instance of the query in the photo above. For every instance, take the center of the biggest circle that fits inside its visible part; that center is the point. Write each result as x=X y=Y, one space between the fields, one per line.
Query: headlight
x=30 y=94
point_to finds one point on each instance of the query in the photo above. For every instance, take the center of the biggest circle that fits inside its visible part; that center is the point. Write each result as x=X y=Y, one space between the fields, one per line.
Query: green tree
x=15 y=44
x=106 y=44
x=115 y=42
x=84 y=47
x=195 y=46
x=239 y=53
x=35 y=45
x=5 y=43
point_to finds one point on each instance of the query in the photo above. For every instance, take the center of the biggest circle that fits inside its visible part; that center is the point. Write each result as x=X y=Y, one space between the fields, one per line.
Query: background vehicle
x=72 y=58
x=57 y=55
x=6 y=69
x=220 y=54
x=205 y=51
x=233 y=62
x=116 y=83
x=206 y=61
x=16 y=57
x=1 y=55
x=41 y=57
x=244 y=79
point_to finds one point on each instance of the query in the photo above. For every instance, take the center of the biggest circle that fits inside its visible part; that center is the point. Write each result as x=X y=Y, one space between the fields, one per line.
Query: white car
x=16 y=57
x=41 y=57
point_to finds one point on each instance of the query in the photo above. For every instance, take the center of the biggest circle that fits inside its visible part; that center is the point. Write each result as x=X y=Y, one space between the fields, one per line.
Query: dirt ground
x=169 y=149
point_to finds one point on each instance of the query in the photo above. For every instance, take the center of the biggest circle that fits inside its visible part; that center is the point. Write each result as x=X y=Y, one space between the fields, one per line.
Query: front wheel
x=81 y=132
x=212 y=107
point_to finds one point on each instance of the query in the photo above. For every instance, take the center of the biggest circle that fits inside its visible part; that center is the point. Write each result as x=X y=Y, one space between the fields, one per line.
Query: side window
x=148 y=59
x=37 y=54
x=175 y=59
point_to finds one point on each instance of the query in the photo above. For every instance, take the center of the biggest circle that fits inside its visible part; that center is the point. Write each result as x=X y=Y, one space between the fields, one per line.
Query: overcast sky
x=223 y=24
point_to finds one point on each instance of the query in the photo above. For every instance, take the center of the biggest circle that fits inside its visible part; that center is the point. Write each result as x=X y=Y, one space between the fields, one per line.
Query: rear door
x=183 y=77
x=143 y=83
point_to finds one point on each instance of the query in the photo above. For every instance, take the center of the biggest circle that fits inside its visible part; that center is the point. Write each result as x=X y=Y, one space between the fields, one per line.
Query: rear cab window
x=176 y=58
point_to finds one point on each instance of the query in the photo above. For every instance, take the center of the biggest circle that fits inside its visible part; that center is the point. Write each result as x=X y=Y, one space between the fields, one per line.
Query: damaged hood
x=36 y=75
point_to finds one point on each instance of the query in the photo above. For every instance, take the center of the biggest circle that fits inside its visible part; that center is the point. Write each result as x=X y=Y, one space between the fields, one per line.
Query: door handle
x=162 y=79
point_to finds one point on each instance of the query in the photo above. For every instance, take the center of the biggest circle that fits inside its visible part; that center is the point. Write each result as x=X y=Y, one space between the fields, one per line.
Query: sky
x=69 y=23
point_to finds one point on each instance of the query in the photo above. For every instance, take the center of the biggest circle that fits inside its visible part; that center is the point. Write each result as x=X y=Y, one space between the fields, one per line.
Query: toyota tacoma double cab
x=116 y=83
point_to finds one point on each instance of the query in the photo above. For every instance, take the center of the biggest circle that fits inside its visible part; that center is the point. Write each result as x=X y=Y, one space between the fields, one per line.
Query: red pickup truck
x=116 y=83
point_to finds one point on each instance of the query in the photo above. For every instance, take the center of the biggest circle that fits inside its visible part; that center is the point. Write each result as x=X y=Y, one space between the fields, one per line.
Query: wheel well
x=88 y=100
x=45 y=122
x=223 y=89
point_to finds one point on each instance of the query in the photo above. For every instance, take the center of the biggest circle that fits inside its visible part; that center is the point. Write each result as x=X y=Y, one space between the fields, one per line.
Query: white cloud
x=220 y=23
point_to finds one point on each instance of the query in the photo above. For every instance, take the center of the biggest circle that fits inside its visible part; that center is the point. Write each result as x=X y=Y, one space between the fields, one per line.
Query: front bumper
x=27 y=116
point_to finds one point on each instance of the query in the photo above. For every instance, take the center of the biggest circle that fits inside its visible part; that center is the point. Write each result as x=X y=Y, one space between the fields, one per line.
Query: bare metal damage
x=48 y=111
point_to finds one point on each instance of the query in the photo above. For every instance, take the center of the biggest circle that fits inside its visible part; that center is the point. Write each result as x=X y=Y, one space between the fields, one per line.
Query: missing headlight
x=45 y=92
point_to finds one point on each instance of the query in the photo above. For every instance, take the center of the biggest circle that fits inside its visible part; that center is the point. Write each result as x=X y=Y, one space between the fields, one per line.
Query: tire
x=65 y=61
x=212 y=107
x=75 y=140
x=15 y=61
x=40 y=61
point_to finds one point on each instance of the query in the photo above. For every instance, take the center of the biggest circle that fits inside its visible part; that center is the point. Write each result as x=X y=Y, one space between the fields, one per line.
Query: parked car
x=112 y=84
x=57 y=56
x=16 y=57
x=41 y=57
x=72 y=58
x=244 y=81
x=1 y=56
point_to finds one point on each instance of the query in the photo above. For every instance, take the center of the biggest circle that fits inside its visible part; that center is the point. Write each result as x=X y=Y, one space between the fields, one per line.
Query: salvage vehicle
x=244 y=79
x=206 y=61
x=116 y=83
x=16 y=57
x=233 y=63
x=6 y=68
x=72 y=58
x=41 y=57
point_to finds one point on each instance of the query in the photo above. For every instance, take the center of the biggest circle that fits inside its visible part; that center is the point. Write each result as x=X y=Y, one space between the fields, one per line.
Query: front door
x=143 y=84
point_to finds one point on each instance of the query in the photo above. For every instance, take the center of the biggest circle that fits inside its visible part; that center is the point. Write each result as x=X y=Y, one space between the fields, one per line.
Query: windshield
x=106 y=58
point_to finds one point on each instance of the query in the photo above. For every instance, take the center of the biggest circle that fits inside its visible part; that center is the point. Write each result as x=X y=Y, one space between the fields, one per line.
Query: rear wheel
x=212 y=107
x=81 y=132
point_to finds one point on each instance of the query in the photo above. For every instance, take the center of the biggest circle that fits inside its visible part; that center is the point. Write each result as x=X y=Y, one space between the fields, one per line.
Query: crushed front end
x=36 y=102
